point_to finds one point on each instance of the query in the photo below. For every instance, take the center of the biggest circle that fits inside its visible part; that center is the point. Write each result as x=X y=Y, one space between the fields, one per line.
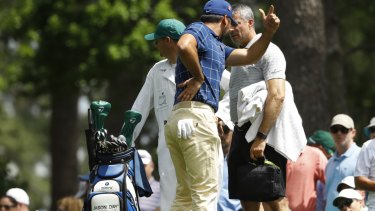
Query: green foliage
x=12 y=13
x=23 y=145
x=357 y=33
x=64 y=42
x=6 y=181
x=188 y=11
x=91 y=36
x=164 y=10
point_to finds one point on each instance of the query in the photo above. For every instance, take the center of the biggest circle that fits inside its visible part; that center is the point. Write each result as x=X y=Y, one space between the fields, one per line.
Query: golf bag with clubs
x=117 y=176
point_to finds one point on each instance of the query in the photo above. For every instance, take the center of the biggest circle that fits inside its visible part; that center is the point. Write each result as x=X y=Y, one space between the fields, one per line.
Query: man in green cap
x=305 y=177
x=307 y=173
x=323 y=140
x=158 y=93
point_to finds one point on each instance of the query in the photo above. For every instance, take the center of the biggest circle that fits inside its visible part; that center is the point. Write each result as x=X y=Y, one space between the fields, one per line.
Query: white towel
x=250 y=102
x=287 y=136
x=223 y=111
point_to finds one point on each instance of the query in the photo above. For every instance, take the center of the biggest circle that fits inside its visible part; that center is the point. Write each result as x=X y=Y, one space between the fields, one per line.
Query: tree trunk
x=334 y=70
x=122 y=91
x=64 y=143
x=302 y=39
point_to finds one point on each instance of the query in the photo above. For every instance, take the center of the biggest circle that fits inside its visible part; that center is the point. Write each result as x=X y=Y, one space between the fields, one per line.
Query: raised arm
x=188 y=54
x=250 y=56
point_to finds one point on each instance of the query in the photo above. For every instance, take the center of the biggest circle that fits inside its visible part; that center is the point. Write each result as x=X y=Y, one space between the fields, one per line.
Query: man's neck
x=216 y=28
x=342 y=149
x=172 y=52
x=172 y=59
x=248 y=39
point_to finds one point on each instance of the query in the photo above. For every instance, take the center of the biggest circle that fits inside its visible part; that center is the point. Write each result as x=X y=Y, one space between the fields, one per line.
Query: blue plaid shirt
x=212 y=54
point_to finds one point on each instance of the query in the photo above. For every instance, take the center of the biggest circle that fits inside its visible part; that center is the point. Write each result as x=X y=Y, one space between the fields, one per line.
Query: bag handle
x=262 y=161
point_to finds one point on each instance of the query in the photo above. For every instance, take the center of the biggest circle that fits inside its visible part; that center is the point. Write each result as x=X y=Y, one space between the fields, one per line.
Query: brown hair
x=70 y=203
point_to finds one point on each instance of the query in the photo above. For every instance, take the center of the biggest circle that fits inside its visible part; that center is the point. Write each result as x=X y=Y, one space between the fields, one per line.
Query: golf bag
x=117 y=176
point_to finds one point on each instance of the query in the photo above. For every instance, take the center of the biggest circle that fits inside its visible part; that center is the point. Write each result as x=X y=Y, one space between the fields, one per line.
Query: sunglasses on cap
x=7 y=207
x=337 y=128
x=371 y=129
x=344 y=202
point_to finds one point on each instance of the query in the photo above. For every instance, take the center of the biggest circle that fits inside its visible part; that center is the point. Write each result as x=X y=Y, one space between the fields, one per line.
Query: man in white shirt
x=365 y=168
x=270 y=68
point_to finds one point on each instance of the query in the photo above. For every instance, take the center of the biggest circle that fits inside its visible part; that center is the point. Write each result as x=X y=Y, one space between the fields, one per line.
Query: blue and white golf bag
x=117 y=176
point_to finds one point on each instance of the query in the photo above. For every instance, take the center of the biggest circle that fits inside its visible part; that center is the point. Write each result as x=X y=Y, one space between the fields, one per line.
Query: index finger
x=270 y=11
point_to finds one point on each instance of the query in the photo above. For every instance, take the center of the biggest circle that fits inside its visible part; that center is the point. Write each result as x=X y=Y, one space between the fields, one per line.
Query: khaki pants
x=196 y=159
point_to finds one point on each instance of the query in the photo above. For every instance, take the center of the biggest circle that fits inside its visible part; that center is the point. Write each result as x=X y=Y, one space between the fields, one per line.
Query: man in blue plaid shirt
x=202 y=58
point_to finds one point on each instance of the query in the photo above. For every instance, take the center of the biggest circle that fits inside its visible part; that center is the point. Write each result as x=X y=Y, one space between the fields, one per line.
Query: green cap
x=167 y=28
x=324 y=139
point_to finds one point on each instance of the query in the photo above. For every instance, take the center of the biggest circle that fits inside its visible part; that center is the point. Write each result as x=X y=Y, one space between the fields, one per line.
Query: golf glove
x=185 y=128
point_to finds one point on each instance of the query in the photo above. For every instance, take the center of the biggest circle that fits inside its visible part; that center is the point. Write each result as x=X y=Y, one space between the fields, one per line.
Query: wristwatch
x=261 y=135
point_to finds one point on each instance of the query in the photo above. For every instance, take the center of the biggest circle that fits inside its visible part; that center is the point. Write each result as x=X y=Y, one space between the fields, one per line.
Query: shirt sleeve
x=223 y=111
x=144 y=102
x=363 y=162
x=322 y=163
x=194 y=30
x=224 y=82
x=273 y=63
x=228 y=51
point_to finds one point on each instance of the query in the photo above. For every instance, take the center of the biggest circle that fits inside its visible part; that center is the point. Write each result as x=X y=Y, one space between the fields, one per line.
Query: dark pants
x=239 y=154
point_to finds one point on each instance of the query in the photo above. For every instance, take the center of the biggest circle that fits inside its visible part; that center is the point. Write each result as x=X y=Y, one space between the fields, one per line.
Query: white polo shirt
x=366 y=167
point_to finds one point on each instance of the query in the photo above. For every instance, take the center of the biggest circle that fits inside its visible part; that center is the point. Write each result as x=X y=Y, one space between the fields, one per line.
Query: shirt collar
x=347 y=153
x=167 y=65
x=253 y=40
x=212 y=32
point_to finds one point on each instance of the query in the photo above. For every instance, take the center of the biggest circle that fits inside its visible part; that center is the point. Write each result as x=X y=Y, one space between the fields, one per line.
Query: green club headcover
x=131 y=119
x=100 y=110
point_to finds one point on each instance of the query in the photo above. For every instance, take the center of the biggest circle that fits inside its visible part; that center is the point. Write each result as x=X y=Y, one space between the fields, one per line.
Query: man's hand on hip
x=191 y=87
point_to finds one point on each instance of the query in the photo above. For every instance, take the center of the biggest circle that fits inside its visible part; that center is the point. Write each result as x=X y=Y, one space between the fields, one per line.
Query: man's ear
x=250 y=23
x=168 y=39
x=225 y=20
x=354 y=132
